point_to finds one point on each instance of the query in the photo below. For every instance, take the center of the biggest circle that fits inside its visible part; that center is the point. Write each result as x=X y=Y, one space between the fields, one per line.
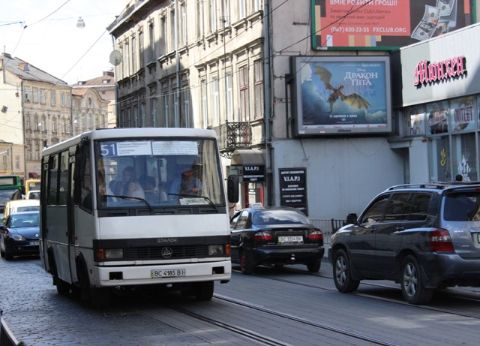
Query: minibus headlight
x=108 y=254
x=113 y=253
x=215 y=250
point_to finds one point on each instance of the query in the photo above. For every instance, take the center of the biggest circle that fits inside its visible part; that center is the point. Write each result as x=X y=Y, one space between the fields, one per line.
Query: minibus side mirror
x=232 y=188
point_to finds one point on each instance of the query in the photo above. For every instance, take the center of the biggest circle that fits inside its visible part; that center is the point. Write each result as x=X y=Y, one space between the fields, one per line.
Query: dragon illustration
x=353 y=100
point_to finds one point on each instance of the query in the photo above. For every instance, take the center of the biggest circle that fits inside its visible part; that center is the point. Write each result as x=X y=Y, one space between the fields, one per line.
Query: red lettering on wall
x=427 y=72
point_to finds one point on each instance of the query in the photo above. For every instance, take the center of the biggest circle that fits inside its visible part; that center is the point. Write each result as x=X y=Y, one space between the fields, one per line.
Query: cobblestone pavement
x=37 y=315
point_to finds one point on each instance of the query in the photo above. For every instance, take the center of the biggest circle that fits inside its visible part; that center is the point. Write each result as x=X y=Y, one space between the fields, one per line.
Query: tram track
x=373 y=296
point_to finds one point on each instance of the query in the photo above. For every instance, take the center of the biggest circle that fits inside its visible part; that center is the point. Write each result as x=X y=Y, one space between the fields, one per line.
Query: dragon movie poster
x=342 y=94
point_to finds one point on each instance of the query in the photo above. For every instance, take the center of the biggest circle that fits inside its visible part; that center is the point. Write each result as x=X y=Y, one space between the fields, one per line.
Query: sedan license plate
x=289 y=239
x=167 y=273
x=34 y=243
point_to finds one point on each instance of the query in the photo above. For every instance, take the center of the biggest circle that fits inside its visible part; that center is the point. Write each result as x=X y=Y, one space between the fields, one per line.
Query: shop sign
x=253 y=173
x=428 y=73
x=293 y=188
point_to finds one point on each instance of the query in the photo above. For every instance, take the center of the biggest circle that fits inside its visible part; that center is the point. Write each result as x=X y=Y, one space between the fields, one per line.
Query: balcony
x=233 y=135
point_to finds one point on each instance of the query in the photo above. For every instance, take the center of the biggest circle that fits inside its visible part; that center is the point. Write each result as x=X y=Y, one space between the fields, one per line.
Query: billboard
x=384 y=24
x=341 y=95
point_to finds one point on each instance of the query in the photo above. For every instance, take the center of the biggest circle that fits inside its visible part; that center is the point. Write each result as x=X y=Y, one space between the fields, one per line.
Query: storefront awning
x=248 y=157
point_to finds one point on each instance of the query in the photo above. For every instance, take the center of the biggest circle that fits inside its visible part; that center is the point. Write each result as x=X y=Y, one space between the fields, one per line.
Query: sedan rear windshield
x=462 y=206
x=278 y=217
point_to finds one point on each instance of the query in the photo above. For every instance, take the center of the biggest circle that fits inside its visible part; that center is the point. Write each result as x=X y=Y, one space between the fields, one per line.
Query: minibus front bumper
x=154 y=274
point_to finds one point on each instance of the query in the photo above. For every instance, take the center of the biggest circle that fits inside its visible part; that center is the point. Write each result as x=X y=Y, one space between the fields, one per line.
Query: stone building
x=276 y=80
x=105 y=86
x=42 y=111
x=89 y=110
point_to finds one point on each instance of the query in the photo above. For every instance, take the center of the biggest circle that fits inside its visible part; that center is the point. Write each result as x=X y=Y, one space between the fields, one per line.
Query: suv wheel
x=413 y=286
x=342 y=274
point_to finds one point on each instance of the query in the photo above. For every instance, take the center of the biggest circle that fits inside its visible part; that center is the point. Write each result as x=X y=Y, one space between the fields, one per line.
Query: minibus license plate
x=167 y=273
x=290 y=239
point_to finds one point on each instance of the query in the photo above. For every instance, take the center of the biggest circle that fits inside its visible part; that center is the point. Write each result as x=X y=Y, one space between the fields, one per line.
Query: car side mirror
x=352 y=218
x=232 y=188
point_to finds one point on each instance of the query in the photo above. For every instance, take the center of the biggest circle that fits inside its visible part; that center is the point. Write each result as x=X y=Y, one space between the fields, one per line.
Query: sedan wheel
x=314 y=266
x=247 y=264
x=342 y=273
x=413 y=288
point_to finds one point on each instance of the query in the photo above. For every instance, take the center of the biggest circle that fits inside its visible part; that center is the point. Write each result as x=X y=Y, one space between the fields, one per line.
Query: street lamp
x=80 y=23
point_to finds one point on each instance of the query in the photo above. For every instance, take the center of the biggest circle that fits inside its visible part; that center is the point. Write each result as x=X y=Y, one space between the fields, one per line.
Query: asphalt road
x=286 y=306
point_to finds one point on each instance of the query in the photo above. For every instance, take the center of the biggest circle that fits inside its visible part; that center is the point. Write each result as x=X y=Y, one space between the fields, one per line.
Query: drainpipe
x=268 y=106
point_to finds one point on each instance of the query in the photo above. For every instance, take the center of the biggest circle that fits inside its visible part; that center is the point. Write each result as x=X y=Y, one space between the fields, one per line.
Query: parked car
x=20 y=205
x=33 y=194
x=422 y=236
x=19 y=235
x=275 y=236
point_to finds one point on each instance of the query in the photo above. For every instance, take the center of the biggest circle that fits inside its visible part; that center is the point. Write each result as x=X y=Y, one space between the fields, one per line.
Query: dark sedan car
x=19 y=235
x=275 y=236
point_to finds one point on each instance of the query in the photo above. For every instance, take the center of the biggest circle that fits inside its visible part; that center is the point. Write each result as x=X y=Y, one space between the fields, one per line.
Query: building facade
x=106 y=88
x=439 y=109
x=194 y=64
x=89 y=110
x=42 y=111
x=305 y=105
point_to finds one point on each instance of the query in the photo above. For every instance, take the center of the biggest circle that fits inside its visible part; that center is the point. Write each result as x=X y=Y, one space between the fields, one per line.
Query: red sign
x=370 y=19
x=427 y=72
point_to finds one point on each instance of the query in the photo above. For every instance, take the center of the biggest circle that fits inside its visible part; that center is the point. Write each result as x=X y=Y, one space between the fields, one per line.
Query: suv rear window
x=462 y=206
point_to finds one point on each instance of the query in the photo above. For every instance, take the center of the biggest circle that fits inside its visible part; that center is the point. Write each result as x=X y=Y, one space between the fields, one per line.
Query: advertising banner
x=384 y=23
x=293 y=188
x=338 y=95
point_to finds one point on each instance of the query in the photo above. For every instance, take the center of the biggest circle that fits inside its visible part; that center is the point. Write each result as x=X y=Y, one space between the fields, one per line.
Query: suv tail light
x=263 y=236
x=440 y=241
x=315 y=235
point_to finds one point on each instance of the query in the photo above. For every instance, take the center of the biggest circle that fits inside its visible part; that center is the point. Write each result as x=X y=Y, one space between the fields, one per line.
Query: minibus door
x=71 y=216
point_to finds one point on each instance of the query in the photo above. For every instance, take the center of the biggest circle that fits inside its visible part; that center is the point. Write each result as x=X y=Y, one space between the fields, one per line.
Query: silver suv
x=421 y=236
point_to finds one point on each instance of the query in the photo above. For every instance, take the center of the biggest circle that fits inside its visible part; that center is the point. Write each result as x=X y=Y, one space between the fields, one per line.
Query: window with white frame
x=185 y=107
x=204 y=102
x=215 y=101
x=171 y=44
x=165 y=99
x=243 y=90
x=200 y=18
x=213 y=15
x=43 y=96
x=229 y=94
x=141 y=49
x=53 y=98
x=27 y=94
x=35 y=94
x=162 y=40
x=134 y=54
x=126 y=58
x=226 y=12
x=242 y=9
x=258 y=74
x=151 y=40
x=183 y=25
x=256 y=5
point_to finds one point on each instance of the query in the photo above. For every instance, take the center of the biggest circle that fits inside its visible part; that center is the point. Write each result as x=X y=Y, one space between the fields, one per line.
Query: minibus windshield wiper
x=131 y=197
x=210 y=202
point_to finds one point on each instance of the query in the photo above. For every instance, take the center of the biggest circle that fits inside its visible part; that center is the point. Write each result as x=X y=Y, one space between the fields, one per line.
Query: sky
x=53 y=42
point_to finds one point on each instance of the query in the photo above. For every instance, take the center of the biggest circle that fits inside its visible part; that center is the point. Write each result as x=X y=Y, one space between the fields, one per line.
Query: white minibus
x=133 y=207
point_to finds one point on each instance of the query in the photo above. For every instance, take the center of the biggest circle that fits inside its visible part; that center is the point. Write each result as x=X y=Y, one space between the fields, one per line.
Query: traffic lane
x=458 y=300
x=384 y=319
x=37 y=315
